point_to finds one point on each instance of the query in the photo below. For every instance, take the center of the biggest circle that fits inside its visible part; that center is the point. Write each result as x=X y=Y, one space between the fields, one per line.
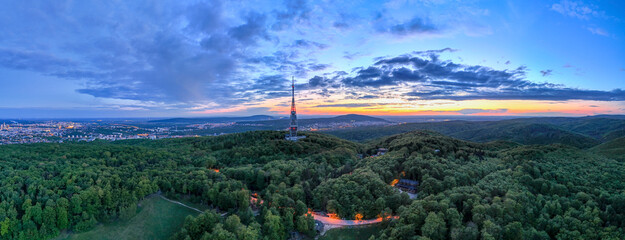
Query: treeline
x=49 y=188
x=496 y=190
x=500 y=191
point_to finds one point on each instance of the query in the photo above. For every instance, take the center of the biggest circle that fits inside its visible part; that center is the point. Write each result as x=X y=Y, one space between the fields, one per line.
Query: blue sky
x=199 y=58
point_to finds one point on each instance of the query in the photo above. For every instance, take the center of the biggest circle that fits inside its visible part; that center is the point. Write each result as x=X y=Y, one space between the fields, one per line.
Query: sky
x=63 y=59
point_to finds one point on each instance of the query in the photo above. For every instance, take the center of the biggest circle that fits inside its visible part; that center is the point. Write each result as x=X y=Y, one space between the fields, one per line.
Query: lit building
x=407 y=185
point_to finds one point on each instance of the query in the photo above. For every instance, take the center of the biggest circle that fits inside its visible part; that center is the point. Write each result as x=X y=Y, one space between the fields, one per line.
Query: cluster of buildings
x=33 y=132
x=210 y=125
x=339 y=125
x=66 y=131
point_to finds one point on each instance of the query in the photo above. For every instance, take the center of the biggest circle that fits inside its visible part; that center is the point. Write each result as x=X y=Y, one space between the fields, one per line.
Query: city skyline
x=234 y=58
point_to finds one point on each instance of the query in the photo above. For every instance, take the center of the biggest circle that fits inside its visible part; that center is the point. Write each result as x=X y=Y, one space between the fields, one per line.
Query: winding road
x=340 y=222
x=329 y=223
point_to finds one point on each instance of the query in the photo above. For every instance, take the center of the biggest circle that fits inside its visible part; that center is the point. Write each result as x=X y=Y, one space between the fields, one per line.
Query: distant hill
x=356 y=117
x=614 y=135
x=608 y=116
x=215 y=119
x=593 y=126
x=282 y=123
x=581 y=132
x=266 y=119
x=526 y=133
x=262 y=122
x=614 y=149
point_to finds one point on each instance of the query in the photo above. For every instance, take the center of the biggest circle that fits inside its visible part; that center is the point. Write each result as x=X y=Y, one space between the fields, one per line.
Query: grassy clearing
x=353 y=233
x=157 y=219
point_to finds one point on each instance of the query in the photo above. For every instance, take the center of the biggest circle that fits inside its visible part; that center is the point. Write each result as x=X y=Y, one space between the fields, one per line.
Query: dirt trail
x=179 y=203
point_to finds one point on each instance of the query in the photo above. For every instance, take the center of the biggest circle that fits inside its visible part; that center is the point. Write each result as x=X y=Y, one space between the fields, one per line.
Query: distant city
x=58 y=131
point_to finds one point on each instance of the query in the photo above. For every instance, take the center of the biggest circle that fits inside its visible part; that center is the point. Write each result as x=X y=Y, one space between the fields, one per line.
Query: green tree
x=434 y=227
x=288 y=220
x=513 y=231
x=232 y=223
x=4 y=226
x=272 y=227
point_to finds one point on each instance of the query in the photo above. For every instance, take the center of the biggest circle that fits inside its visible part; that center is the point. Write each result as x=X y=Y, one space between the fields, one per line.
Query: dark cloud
x=309 y=44
x=170 y=52
x=341 y=25
x=426 y=94
x=439 y=79
x=252 y=30
x=318 y=67
x=352 y=56
x=417 y=25
x=283 y=61
x=272 y=83
x=370 y=77
x=193 y=55
x=346 y=105
x=204 y=16
x=323 y=82
x=296 y=11
x=318 y=81
x=369 y=97
x=454 y=84
x=32 y=60
x=109 y=92
x=220 y=43
x=437 y=51
x=547 y=72
x=538 y=93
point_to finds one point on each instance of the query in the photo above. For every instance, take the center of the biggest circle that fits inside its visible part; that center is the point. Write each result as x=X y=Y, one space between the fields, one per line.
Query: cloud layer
x=430 y=78
x=218 y=55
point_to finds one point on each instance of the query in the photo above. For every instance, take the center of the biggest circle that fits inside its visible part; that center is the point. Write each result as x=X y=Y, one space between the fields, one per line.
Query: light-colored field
x=157 y=219
x=352 y=233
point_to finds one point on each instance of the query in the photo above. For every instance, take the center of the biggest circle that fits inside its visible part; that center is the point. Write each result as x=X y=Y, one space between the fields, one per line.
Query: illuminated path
x=340 y=222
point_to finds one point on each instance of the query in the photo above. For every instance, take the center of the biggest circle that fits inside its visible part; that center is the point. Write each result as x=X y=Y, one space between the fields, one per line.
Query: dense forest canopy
x=473 y=191
x=493 y=190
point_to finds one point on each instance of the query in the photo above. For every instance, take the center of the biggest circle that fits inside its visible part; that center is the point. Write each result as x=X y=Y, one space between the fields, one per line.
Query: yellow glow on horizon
x=339 y=104
x=445 y=107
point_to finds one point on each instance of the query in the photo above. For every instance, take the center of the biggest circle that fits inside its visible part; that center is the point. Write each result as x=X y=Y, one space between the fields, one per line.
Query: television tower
x=293 y=123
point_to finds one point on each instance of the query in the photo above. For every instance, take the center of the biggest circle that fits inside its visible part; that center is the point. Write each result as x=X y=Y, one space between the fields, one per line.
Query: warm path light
x=395 y=181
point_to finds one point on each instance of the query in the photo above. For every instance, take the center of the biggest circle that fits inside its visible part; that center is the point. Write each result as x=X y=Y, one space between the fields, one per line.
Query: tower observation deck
x=292 y=135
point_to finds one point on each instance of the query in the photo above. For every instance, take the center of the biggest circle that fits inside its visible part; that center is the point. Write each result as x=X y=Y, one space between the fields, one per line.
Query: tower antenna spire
x=293 y=123
x=293 y=95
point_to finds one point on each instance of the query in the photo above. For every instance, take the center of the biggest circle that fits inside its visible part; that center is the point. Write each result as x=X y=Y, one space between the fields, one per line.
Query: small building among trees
x=407 y=185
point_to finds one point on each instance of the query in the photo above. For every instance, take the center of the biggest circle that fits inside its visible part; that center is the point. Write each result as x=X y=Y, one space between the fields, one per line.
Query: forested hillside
x=48 y=188
x=495 y=190
x=579 y=132
x=614 y=149
x=469 y=191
